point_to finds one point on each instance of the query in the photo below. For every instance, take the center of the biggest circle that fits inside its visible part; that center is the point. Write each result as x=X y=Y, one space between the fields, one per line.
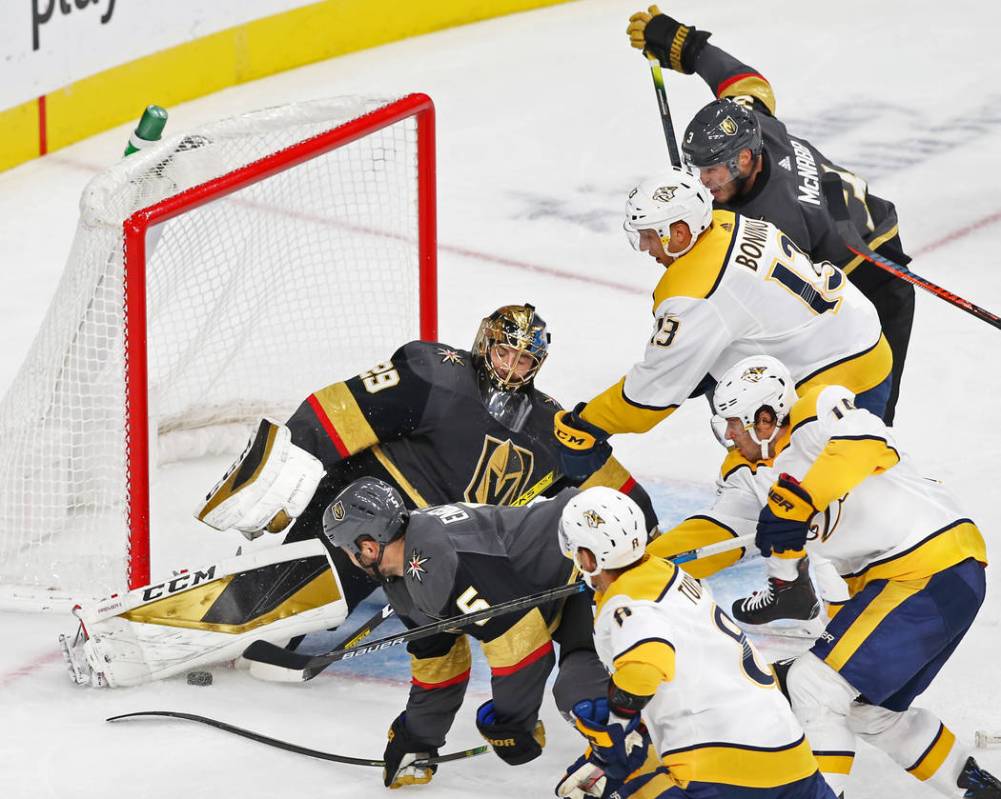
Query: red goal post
x=301 y=224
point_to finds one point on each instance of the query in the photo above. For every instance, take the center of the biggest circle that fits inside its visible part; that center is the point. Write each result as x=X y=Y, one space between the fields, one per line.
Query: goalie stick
x=291 y=747
x=270 y=662
x=837 y=207
x=665 y=110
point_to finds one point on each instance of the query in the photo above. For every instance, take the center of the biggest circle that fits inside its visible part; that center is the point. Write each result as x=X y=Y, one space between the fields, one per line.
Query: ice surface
x=545 y=122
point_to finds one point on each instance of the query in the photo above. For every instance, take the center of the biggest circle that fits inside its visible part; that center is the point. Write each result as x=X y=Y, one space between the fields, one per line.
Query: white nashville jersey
x=746 y=289
x=896 y=523
x=719 y=695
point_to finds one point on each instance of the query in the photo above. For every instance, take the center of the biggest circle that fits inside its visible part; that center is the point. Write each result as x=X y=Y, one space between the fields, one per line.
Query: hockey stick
x=290 y=747
x=533 y=491
x=838 y=208
x=271 y=662
x=712 y=549
x=665 y=110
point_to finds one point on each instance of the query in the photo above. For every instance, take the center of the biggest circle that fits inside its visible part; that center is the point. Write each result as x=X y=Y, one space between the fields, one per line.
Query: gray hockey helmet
x=718 y=132
x=367 y=508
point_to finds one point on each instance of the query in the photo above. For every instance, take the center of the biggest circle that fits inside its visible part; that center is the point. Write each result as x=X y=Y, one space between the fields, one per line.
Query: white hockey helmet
x=608 y=523
x=748 y=386
x=674 y=196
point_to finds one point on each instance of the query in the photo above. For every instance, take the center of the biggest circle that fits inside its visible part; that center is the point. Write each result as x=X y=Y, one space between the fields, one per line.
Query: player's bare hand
x=637 y=26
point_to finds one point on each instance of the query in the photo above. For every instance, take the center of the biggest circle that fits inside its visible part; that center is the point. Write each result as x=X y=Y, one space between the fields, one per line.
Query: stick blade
x=274 y=664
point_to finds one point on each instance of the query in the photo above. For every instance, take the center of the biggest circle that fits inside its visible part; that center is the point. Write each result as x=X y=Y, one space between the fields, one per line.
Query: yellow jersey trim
x=744 y=766
x=445 y=667
x=408 y=488
x=614 y=412
x=657 y=653
x=875 y=244
x=346 y=417
x=519 y=641
x=934 y=756
x=753 y=86
x=936 y=553
x=857 y=373
x=649 y=580
x=697 y=273
x=692 y=533
x=840 y=763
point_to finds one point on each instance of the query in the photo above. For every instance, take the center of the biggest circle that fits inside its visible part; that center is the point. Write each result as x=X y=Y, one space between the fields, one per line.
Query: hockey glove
x=583 y=447
x=784 y=522
x=675 y=45
x=618 y=745
x=401 y=753
x=513 y=744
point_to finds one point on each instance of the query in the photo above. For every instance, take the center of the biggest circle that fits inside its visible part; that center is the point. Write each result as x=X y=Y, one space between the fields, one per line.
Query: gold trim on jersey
x=697 y=273
x=892 y=595
x=649 y=580
x=744 y=766
x=522 y=639
x=752 y=86
x=936 y=553
x=187 y=608
x=835 y=764
x=342 y=409
x=612 y=474
x=614 y=413
x=935 y=755
x=644 y=666
x=692 y=533
x=874 y=244
x=501 y=474
x=857 y=373
x=844 y=464
x=445 y=667
x=398 y=476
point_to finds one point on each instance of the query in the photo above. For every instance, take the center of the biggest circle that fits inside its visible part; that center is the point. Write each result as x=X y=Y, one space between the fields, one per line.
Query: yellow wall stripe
x=885 y=602
x=236 y=55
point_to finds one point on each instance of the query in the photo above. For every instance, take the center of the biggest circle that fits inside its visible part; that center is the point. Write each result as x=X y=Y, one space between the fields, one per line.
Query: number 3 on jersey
x=816 y=285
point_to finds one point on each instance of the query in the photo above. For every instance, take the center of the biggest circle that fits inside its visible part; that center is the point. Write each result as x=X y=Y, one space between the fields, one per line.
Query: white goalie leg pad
x=822 y=699
x=208 y=616
x=917 y=740
x=267 y=487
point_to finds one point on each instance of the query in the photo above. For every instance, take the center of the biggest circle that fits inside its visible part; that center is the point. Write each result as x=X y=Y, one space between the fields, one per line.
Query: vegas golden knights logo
x=728 y=126
x=502 y=473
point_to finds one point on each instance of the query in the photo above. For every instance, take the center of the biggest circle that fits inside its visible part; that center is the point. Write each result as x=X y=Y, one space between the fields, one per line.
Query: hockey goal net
x=216 y=277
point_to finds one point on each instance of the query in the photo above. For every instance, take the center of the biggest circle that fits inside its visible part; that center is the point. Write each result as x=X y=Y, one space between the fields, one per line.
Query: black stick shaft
x=665 y=110
x=291 y=747
x=838 y=208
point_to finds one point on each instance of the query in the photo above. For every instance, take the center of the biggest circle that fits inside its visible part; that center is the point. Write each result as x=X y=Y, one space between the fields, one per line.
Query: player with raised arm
x=438 y=423
x=684 y=677
x=754 y=166
x=835 y=483
x=733 y=286
x=446 y=560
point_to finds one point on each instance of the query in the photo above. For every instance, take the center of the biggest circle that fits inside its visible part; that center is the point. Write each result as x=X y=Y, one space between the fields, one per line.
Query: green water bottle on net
x=149 y=129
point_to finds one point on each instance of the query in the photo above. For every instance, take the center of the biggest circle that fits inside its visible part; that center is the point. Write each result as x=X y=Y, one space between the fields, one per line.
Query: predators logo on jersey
x=502 y=473
x=593 y=519
x=753 y=375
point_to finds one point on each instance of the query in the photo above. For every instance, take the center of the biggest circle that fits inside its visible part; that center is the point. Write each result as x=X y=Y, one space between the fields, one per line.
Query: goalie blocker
x=205 y=616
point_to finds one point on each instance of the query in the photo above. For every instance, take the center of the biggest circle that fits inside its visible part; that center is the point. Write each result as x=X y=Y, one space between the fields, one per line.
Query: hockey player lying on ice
x=809 y=470
x=438 y=423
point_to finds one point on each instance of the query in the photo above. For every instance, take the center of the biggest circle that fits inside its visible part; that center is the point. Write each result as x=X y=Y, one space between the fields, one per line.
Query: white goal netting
x=253 y=299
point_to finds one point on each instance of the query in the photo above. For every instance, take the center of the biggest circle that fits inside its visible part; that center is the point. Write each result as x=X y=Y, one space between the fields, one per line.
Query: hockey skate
x=978 y=783
x=780 y=599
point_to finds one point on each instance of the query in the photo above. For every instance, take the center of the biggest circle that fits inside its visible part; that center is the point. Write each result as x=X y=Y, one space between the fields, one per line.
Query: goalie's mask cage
x=216 y=277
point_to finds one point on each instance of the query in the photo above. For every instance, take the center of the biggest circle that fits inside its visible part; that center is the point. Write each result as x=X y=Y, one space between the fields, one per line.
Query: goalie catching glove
x=267 y=487
x=674 y=44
